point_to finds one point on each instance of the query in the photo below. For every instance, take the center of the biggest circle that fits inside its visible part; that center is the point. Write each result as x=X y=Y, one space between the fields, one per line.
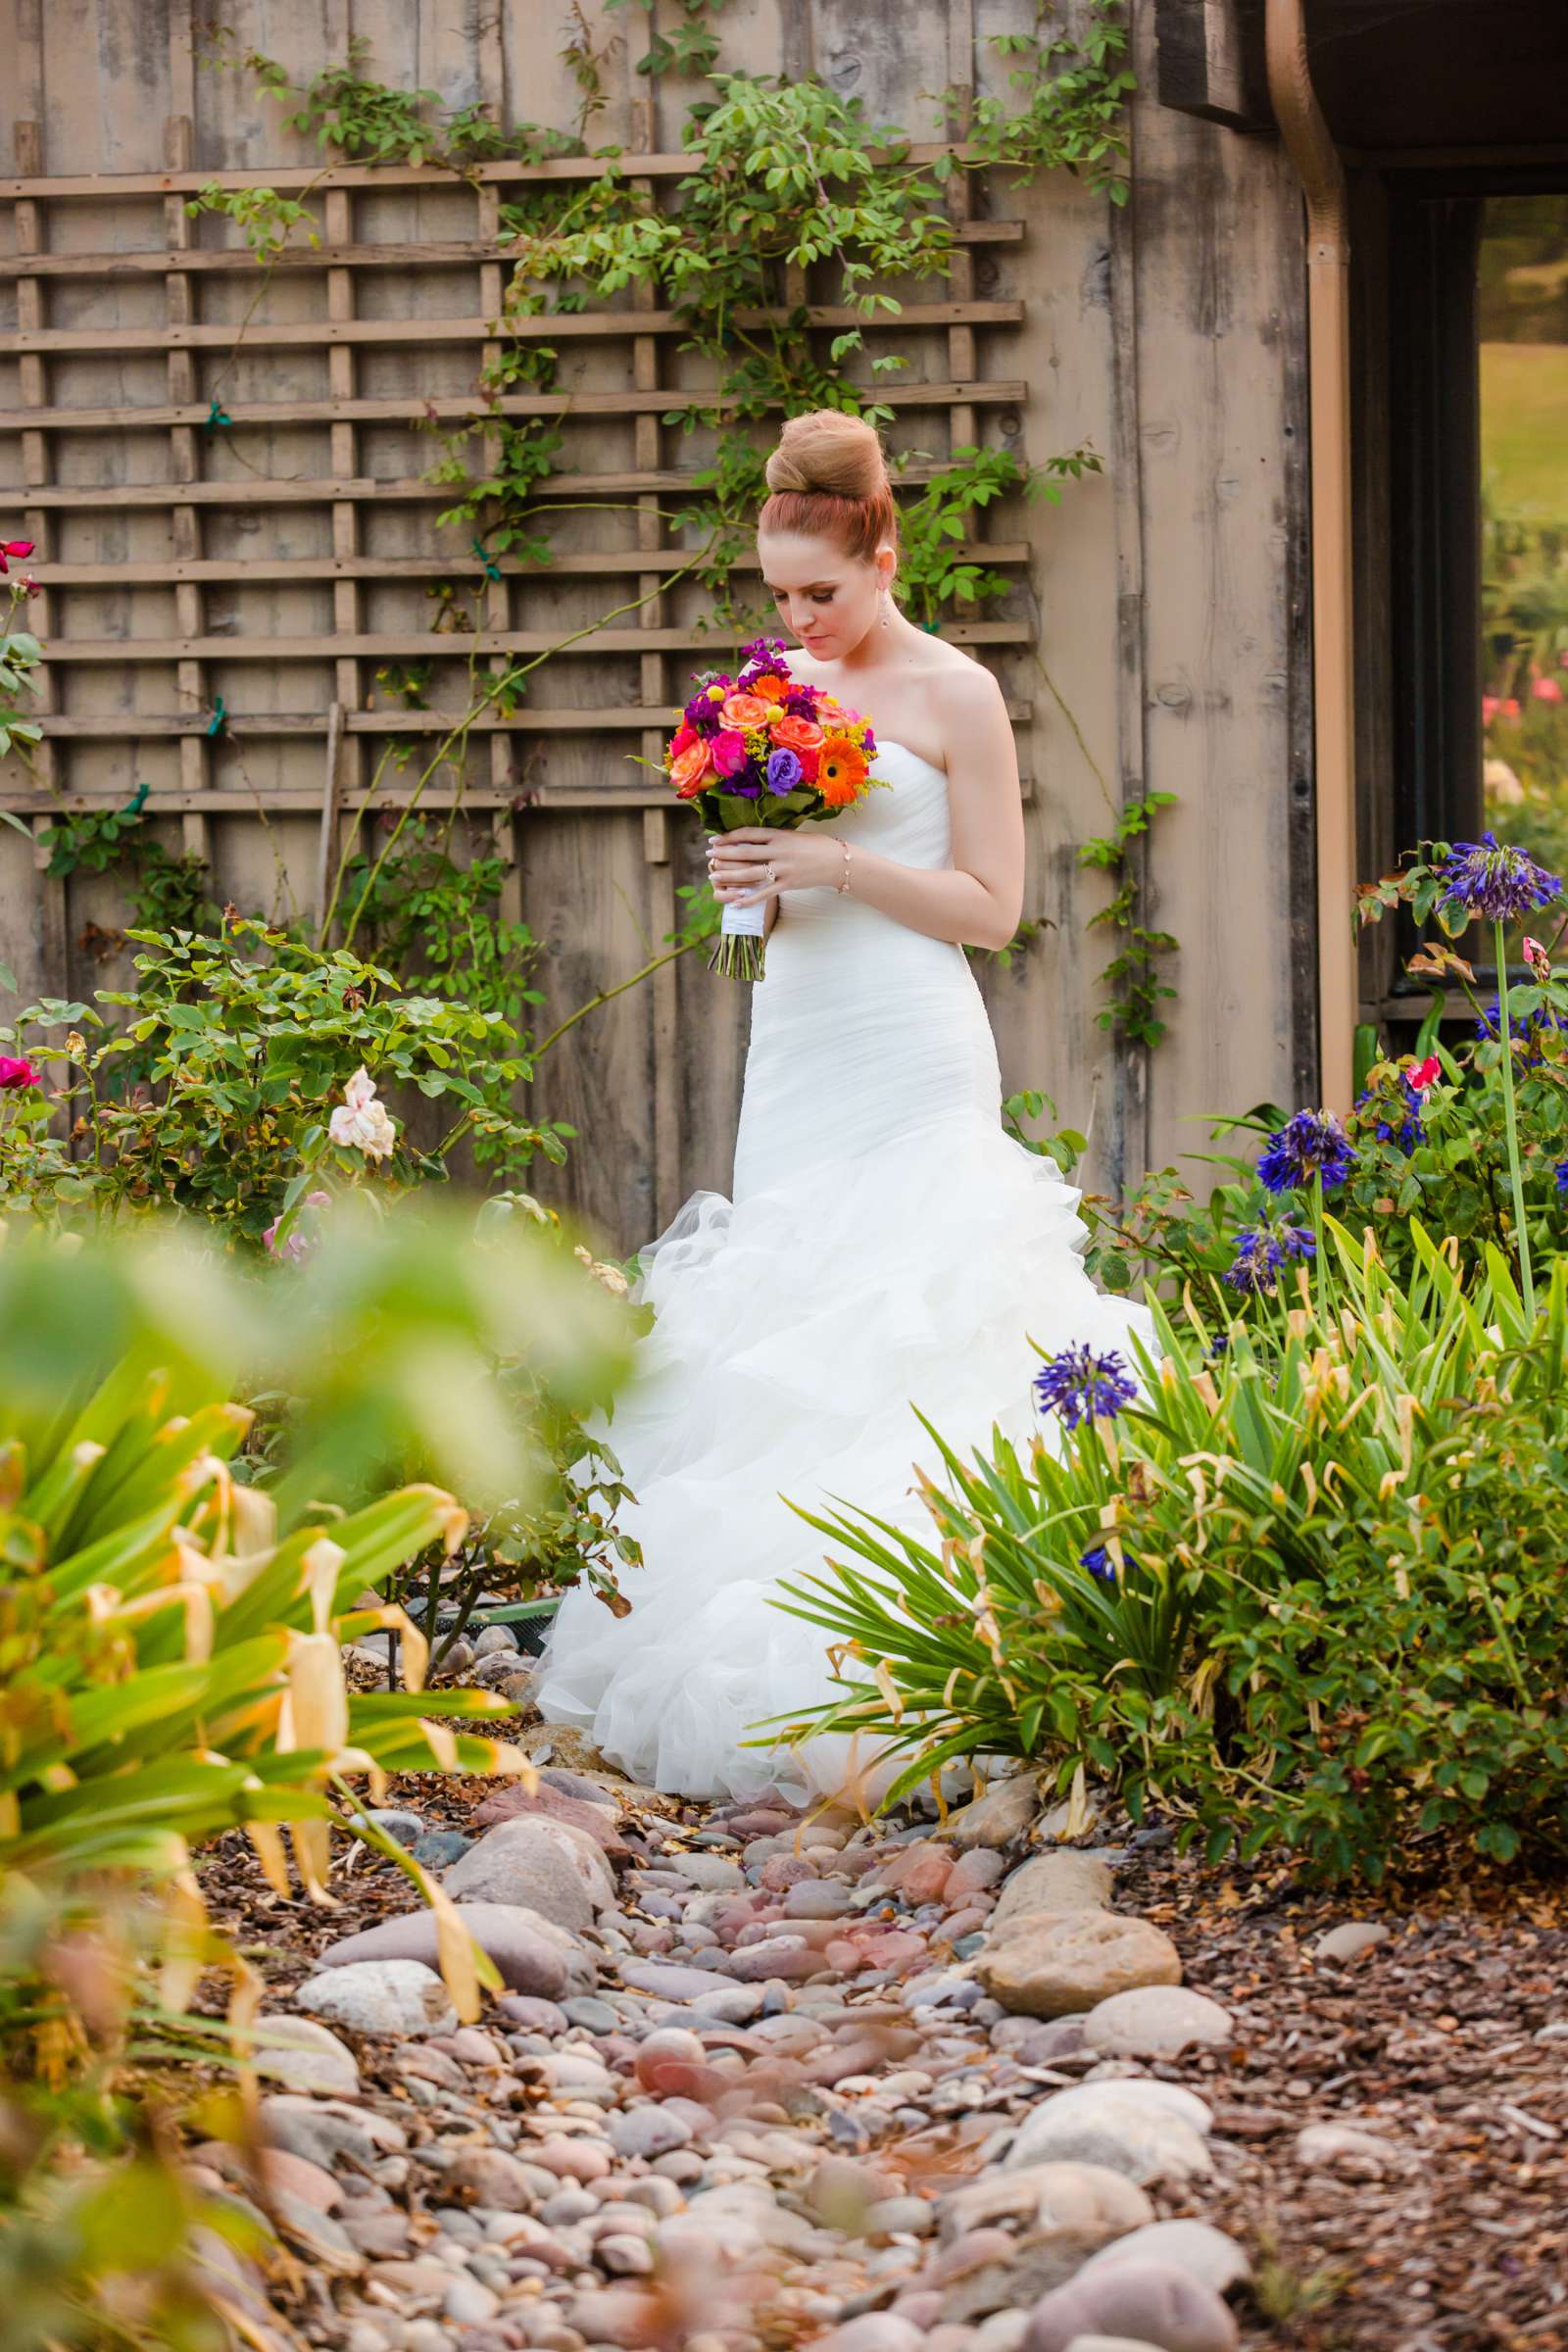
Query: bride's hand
x=738 y=862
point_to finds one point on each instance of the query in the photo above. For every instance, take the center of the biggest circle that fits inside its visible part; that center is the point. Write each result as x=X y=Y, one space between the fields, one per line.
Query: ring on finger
x=771 y=871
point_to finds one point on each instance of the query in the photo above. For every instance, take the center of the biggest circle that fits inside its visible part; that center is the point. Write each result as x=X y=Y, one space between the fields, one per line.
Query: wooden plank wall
x=1154 y=635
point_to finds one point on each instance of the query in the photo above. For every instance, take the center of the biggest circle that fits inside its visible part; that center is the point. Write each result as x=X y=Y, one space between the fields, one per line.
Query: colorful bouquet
x=762 y=748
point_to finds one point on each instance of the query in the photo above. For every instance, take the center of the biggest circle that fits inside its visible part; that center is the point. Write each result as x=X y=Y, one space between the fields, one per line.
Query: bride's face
x=826 y=598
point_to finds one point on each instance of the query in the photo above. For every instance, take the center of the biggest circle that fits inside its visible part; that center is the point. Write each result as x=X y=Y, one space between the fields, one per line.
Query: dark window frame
x=1435 y=216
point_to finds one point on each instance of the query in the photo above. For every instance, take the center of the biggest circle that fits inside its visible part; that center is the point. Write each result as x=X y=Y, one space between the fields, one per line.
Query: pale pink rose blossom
x=300 y=1240
x=361 y=1121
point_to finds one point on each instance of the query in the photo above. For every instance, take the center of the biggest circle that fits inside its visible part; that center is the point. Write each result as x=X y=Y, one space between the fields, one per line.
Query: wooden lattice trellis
x=338 y=333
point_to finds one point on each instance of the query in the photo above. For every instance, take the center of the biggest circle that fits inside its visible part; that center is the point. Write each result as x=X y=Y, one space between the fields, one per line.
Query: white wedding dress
x=887 y=1243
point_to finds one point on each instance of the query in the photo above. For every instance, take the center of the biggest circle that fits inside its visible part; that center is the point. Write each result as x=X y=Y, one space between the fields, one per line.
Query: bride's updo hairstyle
x=828 y=480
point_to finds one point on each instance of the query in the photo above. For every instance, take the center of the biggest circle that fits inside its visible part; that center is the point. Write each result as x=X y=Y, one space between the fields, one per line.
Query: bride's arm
x=977 y=901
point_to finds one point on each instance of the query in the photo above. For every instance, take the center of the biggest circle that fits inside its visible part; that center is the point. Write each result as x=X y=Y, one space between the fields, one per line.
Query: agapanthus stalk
x=1527 y=1287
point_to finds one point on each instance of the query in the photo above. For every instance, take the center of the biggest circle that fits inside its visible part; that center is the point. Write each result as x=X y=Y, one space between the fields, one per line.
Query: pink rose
x=727 y=751
x=15 y=1075
x=1546 y=690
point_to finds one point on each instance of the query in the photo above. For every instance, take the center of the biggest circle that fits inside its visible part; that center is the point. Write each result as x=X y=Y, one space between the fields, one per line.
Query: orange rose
x=769 y=690
x=690 y=770
x=743 y=710
x=841 y=771
x=797 y=734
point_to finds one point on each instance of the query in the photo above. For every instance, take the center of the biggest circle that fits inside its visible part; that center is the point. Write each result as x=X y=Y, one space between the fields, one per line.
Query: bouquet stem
x=739 y=954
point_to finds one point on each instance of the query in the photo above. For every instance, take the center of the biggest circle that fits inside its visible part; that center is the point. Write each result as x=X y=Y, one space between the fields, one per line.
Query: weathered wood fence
x=226 y=476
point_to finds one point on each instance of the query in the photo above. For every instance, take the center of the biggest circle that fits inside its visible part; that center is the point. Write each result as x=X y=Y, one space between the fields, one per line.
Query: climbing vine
x=789 y=181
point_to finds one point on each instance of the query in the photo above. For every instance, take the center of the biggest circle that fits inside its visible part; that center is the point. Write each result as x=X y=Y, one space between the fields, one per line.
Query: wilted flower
x=1537 y=957
x=1078 y=1384
x=361 y=1122
x=302 y=1240
x=1312 y=1140
x=608 y=1277
x=1497 y=880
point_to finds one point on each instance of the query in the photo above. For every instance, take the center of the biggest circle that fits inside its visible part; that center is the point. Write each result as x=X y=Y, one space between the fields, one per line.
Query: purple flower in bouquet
x=783 y=771
x=729 y=753
x=1312 y=1140
x=1498 y=880
x=1078 y=1384
x=763 y=653
x=801 y=703
x=702 y=713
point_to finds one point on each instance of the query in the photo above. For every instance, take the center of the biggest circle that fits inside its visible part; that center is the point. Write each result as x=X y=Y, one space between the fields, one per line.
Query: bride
x=887 y=1243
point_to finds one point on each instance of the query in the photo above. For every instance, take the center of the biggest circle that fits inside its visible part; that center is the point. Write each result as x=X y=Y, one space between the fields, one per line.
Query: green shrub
x=1308 y=1591
x=215 y=1094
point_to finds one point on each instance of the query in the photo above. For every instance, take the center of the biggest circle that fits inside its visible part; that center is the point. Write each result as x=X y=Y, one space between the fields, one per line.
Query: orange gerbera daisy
x=769 y=690
x=841 y=771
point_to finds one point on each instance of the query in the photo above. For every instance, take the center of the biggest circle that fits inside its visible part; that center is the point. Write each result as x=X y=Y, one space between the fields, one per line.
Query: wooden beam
x=1001 y=391
x=650 y=643
x=133 y=726
x=605 y=562
x=1211 y=62
x=553 y=327
x=305 y=493
x=237 y=261
x=290 y=179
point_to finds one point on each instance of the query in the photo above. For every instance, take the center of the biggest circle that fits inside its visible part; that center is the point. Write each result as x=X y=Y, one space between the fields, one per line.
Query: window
x=1478 y=509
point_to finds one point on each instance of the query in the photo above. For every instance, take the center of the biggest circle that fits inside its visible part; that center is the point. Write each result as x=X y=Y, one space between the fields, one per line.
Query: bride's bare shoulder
x=963 y=690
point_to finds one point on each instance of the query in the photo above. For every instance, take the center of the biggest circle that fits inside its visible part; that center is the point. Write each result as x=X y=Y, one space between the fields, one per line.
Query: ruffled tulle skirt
x=795 y=1329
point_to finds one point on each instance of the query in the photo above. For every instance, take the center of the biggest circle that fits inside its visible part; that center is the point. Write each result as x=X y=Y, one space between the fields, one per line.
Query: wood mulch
x=1428 y=2040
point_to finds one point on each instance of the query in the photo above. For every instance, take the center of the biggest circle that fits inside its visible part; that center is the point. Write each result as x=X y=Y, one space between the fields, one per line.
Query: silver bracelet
x=842 y=886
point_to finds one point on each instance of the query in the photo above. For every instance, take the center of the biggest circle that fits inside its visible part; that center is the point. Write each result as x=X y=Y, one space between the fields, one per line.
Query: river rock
x=1349 y=1940
x=381 y=1996
x=1064 y=1881
x=1046 y=1965
x=303 y=2056
x=1086 y=2197
x=544 y=1865
x=596 y=1817
x=1199 y=2249
x=873 y=2331
x=1132 y=2126
x=1157 y=2021
x=398 y=1822
x=1152 y=2302
x=1344 y=2148
x=532 y=1953
x=1003 y=1815
x=647 y=2129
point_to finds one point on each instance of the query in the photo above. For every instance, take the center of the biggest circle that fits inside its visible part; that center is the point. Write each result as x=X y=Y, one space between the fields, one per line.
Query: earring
x=884 y=607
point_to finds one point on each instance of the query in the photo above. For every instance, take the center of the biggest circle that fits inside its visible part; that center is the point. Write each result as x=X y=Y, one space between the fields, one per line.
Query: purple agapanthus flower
x=1560 y=1176
x=783 y=771
x=1078 y=1384
x=1310 y=1141
x=1522 y=1025
x=1258 y=1257
x=1098 y=1563
x=1498 y=880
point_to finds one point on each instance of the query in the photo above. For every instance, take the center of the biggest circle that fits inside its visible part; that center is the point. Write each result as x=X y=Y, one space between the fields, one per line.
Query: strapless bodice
x=907 y=818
